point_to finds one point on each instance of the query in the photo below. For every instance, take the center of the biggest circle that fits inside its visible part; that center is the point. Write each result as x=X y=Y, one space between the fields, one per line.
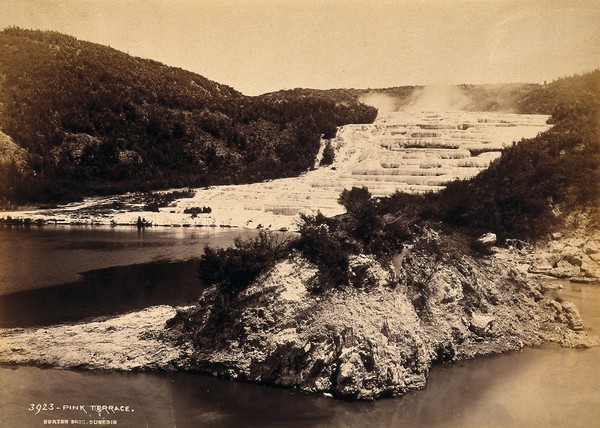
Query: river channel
x=67 y=274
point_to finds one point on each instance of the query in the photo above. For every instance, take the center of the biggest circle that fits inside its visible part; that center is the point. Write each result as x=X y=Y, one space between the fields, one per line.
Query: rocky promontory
x=429 y=305
x=434 y=302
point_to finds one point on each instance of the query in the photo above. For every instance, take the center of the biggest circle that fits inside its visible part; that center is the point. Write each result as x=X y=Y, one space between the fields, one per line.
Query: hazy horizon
x=269 y=45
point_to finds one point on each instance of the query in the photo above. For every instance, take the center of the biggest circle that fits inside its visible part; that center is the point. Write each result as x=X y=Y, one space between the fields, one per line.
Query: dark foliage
x=328 y=155
x=155 y=200
x=380 y=225
x=236 y=267
x=326 y=244
x=519 y=195
x=194 y=211
x=368 y=227
x=94 y=121
x=356 y=200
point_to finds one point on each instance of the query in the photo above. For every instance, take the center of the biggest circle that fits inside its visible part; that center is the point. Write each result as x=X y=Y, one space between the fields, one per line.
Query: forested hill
x=78 y=118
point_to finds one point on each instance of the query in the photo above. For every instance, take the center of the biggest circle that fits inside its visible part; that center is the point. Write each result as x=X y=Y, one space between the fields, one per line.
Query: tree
x=328 y=155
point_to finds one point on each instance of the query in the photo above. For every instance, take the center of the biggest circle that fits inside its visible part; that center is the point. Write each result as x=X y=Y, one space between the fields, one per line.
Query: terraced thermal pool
x=406 y=151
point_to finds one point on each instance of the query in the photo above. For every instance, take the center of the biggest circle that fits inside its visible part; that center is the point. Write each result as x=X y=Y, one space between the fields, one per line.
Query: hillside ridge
x=94 y=120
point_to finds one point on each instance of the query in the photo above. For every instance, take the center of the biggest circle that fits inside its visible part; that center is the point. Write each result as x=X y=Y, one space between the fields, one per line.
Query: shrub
x=236 y=267
x=355 y=200
x=381 y=225
x=329 y=248
x=194 y=211
x=328 y=155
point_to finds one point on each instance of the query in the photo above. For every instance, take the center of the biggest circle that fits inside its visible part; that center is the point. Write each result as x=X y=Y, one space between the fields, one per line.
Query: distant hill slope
x=96 y=120
x=536 y=183
x=511 y=97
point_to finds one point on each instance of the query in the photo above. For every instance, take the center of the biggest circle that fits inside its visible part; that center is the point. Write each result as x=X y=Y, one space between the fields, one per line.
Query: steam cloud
x=437 y=98
x=427 y=98
x=381 y=102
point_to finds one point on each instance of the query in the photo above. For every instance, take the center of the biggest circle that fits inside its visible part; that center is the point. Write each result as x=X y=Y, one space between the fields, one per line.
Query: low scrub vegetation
x=236 y=267
x=527 y=191
x=328 y=155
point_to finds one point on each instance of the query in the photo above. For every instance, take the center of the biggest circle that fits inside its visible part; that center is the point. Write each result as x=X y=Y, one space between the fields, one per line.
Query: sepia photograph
x=310 y=213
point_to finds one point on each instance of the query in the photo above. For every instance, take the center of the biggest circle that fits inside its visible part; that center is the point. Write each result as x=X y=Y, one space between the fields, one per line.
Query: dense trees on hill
x=96 y=120
x=530 y=188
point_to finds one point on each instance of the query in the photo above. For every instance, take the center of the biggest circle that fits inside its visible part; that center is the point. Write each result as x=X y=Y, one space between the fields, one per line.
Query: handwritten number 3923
x=39 y=407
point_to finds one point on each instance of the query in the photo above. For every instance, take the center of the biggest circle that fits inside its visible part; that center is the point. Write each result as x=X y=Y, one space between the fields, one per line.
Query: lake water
x=106 y=271
x=57 y=274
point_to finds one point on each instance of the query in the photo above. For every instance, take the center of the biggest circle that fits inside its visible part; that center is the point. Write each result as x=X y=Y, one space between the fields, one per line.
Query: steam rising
x=426 y=98
x=496 y=97
x=382 y=102
x=437 y=98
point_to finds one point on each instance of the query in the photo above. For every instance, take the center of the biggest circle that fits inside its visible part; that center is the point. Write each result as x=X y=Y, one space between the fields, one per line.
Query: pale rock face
x=378 y=339
x=129 y=342
x=541 y=265
x=564 y=269
x=488 y=239
x=591 y=247
x=570 y=312
x=481 y=324
x=590 y=267
x=573 y=253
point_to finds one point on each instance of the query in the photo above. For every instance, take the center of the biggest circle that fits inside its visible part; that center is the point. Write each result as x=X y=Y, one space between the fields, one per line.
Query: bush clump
x=236 y=267
x=328 y=155
x=324 y=243
x=194 y=211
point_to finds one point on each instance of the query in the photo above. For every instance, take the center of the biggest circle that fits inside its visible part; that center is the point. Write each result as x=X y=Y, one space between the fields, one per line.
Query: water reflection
x=107 y=291
x=37 y=257
x=532 y=388
x=550 y=387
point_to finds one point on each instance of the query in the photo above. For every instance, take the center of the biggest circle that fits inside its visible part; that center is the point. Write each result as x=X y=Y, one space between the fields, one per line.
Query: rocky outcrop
x=574 y=255
x=431 y=304
x=488 y=239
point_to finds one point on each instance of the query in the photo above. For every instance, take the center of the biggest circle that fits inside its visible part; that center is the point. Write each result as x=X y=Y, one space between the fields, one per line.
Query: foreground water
x=532 y=388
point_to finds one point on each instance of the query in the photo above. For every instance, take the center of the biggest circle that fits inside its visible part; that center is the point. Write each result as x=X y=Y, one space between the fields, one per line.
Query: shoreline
x=126 y=342
x=149 y=340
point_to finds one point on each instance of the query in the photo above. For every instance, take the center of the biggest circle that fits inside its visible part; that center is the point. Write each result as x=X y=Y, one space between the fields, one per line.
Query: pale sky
x=258 y=46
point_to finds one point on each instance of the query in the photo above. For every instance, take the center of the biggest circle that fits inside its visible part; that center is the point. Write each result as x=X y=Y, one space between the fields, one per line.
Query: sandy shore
x=127 y=342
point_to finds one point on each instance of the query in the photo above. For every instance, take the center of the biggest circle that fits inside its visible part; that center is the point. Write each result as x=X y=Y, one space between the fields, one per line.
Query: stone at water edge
x=488 y=239
x=564 y=269
x=573 y=317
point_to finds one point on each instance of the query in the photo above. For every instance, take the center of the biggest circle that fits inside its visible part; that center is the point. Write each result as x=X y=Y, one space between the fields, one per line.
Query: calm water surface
x=51 y=274
x=550 y=387
x=36 y=257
